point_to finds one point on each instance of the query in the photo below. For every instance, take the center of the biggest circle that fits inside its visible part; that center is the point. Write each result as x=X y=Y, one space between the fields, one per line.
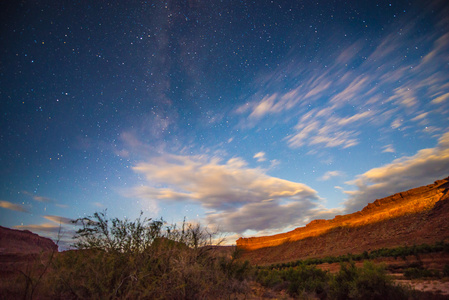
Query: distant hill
x=13 y=241
x=416 y=216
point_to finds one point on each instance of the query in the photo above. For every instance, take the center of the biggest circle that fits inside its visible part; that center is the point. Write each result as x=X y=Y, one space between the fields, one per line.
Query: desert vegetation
x=141 y=259
x=401 y=252
x=149 y=259
x=304 y=278
x=418 y=271
x=306 y=281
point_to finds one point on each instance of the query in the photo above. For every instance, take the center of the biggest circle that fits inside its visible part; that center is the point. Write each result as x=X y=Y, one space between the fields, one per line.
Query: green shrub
x=446 y=270
x=305 y=280
x=369 y=282
x=420 y=272
x=341 y=283
x=374 y=283
x=145 y=259
x=268 y=278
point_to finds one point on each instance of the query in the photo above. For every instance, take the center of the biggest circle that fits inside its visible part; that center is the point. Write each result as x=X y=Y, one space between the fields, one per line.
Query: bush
x=268 y=278
x=298 y=281
x=420 y=272
x=369 y=282
x=306 y=280
x=145 y=259
x=341 y=283
x=446 y=270
x=373 y=282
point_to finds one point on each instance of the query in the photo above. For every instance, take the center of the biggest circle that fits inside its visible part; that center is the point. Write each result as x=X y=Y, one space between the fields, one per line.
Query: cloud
x=59 y=220
x=404 y=96
x=12 y=206
x=402 y=174
x=440 y=99
x=388 y=149
x=352 y=91
x=396 y=124
x=319 y=127
x=358 y=88
x=329 y=174
x=39 y=198
x=260 y=156
x=98 y=204
x=45 y=227
x=60 y=234
x=276 y=103
x=43 y=199
x=231 y=189
x=265 y=106
x=132 y=144
x=263 y=216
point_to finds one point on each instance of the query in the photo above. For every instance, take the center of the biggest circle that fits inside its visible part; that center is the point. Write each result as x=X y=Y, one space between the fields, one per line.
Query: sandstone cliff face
x=14 y=241
x=428 y=227
x=413 y=201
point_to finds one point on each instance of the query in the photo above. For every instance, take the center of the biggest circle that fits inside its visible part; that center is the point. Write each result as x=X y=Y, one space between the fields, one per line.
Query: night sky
x=255 y=117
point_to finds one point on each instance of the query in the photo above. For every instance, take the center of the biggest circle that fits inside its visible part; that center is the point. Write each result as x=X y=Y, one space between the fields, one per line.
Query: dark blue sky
x=255 y=116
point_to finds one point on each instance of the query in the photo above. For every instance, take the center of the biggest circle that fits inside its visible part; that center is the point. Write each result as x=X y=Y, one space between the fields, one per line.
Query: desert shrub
x=24 y=279
x=420 y=272
x=235 y=269
x=369 y=282
x=115 y=235
x=145 y=259
x=341 y=283
x=402 y=252
x=269 y=277
x=446 y=270
x=298 y=281
x=373 y=282
x=305 y=280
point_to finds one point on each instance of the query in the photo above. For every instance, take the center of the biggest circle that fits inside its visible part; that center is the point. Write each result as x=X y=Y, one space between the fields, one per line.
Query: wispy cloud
x=38 y=198
x=260 y=156
x=13 y=206
x=329 y=174
x=231 y=189
x=420 y=116
x=404 y=96
x=440 y=99
x=361 y=88
x=402 y=174
x=59 y=233
x=321 y=128
x=43 y=199
x=388 y=149
x=98 y=204
x=45 y=227
x=59 y=220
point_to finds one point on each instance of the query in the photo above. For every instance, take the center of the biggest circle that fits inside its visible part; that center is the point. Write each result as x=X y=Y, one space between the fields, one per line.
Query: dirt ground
x=440 y=287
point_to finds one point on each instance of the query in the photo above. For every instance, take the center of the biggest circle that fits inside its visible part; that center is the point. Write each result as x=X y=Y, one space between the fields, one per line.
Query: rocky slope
x=14 y=241
x=415 y=216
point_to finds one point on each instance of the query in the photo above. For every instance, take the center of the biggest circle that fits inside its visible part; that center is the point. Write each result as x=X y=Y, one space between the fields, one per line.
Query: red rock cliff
x=400 y=204
x=14 y=241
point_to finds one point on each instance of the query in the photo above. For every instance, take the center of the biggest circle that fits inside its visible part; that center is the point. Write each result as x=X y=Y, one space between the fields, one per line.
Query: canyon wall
x=401 y=204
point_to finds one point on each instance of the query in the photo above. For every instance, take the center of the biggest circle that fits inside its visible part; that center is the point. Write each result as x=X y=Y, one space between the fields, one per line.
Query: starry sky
x=253 y=117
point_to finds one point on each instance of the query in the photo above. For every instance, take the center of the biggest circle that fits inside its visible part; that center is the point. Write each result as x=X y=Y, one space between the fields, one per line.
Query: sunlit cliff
x=410 y=202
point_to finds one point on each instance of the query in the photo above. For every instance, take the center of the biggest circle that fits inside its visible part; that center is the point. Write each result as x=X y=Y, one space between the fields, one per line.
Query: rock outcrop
x=13 y=241
x=411 y=202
